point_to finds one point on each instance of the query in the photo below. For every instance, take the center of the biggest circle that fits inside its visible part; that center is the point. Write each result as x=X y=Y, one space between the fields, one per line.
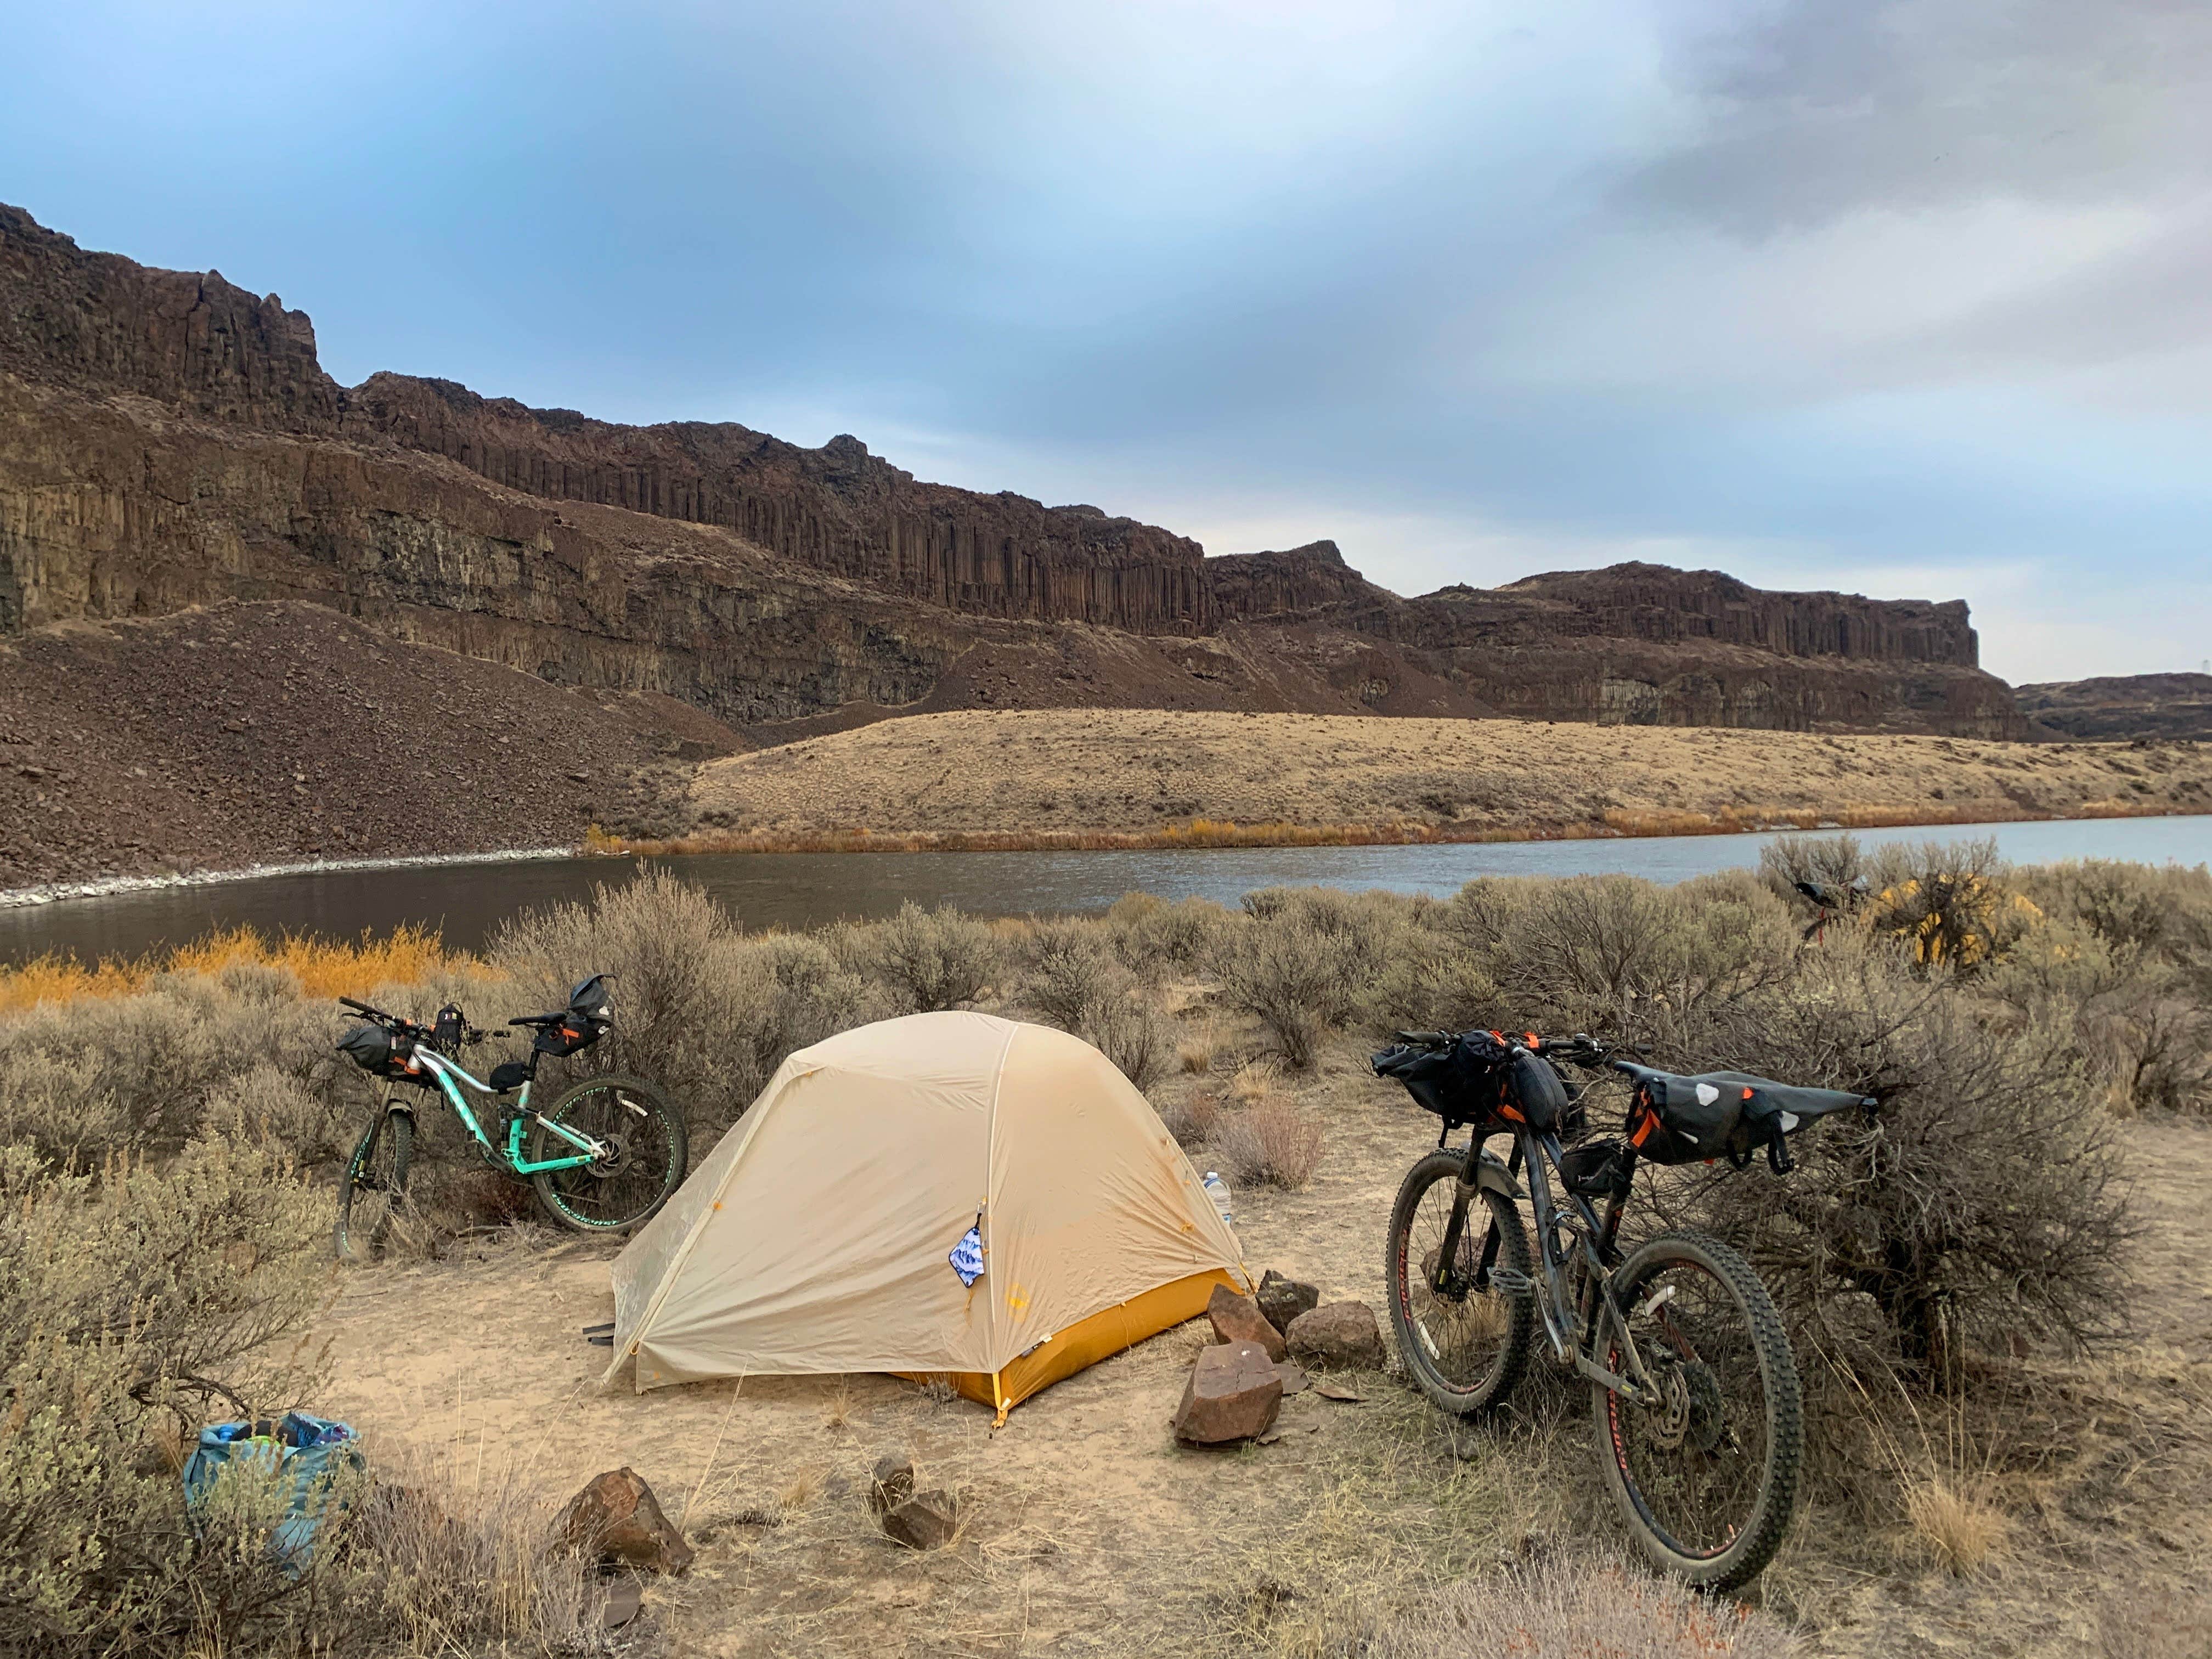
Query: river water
x=467 y=902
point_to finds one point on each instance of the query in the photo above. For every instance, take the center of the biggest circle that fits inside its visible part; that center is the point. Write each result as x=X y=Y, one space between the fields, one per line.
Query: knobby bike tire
x=1464 y=1354
x=1684 y=1476
x=632 y=1187
x=373 y=1183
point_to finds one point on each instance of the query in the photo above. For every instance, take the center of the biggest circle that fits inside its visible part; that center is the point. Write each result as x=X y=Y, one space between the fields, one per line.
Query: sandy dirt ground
x=1111 y=770
x=1087 y=1530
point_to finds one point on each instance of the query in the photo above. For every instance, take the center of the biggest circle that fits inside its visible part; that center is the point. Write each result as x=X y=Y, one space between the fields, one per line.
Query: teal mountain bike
x=605 y=1155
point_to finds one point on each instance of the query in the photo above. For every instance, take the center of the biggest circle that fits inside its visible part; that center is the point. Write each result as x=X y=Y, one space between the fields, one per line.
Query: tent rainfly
x=946 y=1195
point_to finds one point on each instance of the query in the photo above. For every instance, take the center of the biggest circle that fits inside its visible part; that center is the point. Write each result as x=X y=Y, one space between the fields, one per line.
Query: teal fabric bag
x=306 y=1453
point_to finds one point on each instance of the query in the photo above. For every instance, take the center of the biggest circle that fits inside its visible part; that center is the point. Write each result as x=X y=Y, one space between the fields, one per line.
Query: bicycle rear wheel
x=1463 y=1335
x=373 y=1184
x=1706 y=1478
x=644 y=1134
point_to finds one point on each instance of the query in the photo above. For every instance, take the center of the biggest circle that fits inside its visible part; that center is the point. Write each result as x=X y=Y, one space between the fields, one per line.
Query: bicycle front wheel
x=1706 y=1476
x=1462 y=1327
x=644 y=1163
x=375 y=1185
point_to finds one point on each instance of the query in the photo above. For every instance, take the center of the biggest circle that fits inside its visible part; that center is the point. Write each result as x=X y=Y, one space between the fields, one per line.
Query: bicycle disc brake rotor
x=1691 y=1411
x=614 y=1161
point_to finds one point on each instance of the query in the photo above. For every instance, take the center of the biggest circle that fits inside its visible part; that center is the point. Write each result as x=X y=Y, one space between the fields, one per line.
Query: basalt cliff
x=168 y=440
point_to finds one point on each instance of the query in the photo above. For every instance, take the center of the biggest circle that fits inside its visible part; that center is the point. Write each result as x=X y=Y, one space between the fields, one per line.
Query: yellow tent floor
x=1087 y=1342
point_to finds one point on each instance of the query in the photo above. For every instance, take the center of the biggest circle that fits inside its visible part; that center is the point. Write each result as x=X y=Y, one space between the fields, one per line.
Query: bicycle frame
x=1574 y=1331
x=450 y=1077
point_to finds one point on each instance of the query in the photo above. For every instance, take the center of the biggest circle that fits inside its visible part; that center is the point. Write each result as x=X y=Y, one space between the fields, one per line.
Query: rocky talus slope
x=2123 y=706
x=269 y=732
x=168 y=439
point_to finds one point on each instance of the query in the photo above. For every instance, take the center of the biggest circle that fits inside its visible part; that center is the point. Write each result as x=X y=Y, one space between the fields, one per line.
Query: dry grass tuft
x=1194 y=1054
x=801 y=1490
x=1273 y=1141
x=1576 y=1607
x=1255 y=1079
x=1956 y=1522
x=465 y=1558
x=837 y=1410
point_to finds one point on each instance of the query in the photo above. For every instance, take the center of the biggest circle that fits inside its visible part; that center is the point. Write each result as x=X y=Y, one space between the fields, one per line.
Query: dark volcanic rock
x=168 y=440
x=1337 y=1333
x=1237 y=1319
x=2122 y=707
x=618 y=1518
x=1284 y=1300
x=1233 y=1394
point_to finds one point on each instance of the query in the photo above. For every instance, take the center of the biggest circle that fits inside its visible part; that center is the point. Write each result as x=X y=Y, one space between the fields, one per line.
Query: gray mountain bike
x=1692 y=1385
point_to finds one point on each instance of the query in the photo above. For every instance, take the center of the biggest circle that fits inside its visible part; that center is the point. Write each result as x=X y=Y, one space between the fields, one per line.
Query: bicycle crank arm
x=1619 y=1385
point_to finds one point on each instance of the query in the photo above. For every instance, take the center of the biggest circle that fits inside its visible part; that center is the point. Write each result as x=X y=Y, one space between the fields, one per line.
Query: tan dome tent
x=831 y=1230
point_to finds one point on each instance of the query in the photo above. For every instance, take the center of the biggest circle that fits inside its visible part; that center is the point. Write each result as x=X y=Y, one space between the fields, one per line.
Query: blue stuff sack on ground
x=306 y=1454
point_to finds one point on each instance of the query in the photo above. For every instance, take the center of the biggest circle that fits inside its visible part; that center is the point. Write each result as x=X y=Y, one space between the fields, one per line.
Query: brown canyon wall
x=167 y=439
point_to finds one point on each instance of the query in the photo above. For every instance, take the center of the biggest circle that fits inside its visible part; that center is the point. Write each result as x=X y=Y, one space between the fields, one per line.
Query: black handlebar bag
x=1483 y=1081
x=378 y=1052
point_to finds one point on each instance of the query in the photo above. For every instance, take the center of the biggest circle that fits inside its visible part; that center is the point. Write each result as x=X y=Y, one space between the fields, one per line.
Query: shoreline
x=1204 y=835
x=1200 y=836
x=57 y=892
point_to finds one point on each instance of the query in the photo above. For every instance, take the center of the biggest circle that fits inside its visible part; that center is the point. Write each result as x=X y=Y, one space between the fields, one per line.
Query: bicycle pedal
x=1511 y=1280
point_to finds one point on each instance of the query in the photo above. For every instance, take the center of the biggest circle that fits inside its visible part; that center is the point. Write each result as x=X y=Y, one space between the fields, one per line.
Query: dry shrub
x=1951 y=904
x=142 y=1071
x=1622 y=955
x=1070 y=972
x=1154 y=937
x=136 y=1301
x=1303 y=960
x=1130 y=1031
x=1980 y=1202
x=1575 y=1607
x=699 y=1008
x=1273 y=1141
x=1193 y=1118
x=929 y=959
x=444 y=1556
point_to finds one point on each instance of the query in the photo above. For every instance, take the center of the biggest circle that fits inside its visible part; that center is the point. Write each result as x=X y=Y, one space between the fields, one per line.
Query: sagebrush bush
x=1273 y=1141
x=930 y=959
x=687 y=995
x=137 y=1301
x=1304 y=961
x=1981 y=1200
x=1155 y=938
x=1070 y=972
x=1130 y=1031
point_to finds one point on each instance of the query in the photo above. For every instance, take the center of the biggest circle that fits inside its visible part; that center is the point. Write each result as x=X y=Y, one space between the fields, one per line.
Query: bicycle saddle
x=1761 y=1096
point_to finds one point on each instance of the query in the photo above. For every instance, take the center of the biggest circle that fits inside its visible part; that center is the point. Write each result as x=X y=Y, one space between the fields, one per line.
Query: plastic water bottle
x=1217 y=1190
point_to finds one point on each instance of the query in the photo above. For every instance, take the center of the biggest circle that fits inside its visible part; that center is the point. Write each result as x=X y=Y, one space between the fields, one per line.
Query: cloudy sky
x=1910 y=297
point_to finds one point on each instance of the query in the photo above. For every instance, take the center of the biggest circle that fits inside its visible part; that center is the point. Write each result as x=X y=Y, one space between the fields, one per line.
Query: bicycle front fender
x=1490 y=1176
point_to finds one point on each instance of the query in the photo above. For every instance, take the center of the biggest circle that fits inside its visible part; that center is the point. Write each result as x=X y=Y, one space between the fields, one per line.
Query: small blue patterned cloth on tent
x=967 y=1257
